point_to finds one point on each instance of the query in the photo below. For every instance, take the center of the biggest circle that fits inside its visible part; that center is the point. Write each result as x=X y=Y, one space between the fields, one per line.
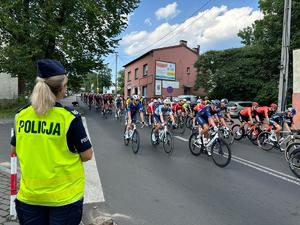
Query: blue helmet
x=292 y=111
x=216 y=103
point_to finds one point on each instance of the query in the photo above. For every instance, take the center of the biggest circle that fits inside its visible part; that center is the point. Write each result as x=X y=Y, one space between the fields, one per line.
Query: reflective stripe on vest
x=51 y=174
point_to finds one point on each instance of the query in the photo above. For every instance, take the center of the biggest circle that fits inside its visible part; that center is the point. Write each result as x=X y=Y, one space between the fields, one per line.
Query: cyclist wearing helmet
x=118 y=103
x=282 y=119
x=151 y=108
x=224 y=110
x=246 y=113
x=133 y=108
x=264 y=112
x=205 y=118
x=160 y=112
x=200 y=105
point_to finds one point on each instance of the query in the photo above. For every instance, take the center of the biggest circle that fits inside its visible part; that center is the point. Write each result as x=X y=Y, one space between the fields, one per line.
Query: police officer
x=51 y=144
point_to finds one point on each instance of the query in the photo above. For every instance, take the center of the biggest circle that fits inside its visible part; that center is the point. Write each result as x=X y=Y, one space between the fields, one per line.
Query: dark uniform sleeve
x=77 y=138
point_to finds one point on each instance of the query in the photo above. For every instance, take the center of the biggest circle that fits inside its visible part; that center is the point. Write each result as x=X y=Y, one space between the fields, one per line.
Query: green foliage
x=251 y=72
x=121 y=81
x=78 y=33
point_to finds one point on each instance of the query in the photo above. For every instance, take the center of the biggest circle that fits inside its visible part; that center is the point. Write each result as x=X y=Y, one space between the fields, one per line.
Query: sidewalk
x=5 y=198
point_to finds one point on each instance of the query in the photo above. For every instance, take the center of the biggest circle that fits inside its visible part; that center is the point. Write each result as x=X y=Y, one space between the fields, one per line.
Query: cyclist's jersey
x=246 y=111
x=91 y=98
x=118 y=102
x=128 y=101
x=151 y=107
x=186 y=106
x=198 y=107
x=224 y=111
x=161 y=110
x=134 y=108
x=206 y=102
x=207 y=113
x=278 y=118
x=262 y=111
x=178 y=107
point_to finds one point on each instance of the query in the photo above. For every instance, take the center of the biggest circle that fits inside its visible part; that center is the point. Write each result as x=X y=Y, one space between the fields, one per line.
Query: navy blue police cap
x=48 y=68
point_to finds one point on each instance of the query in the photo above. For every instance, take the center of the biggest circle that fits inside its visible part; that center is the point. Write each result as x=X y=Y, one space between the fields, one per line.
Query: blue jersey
x=207 y=113
x=134 y=108
x=160 y=109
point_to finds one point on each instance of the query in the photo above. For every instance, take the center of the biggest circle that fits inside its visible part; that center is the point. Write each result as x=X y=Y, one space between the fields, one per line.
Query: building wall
x=8 y=87
x=181 y=56
x=296 y=86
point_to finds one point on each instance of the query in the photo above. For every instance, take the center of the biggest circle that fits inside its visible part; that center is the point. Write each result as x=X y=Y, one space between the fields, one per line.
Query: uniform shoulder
x=25 y=107
x=73 y=111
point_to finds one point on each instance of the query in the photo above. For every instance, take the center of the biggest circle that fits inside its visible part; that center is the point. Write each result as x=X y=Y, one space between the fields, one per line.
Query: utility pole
x=116 y=73
x=284 y=63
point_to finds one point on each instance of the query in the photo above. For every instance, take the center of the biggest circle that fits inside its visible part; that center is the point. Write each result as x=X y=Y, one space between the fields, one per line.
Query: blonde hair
x=45 y=93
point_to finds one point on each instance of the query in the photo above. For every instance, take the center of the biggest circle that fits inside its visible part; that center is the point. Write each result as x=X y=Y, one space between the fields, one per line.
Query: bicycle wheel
x=227 y=136
x=290 y=148
x=264 y=142
x=294 y=162
x=194 y=146
x=181 y=126
x=238 y=132
x=168 y=143
x=252 y=136
x=221 y=153
x=126 y=141
x=135 y=142
x=154 y=143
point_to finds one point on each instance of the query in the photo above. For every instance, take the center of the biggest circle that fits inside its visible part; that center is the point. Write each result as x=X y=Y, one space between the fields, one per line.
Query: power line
x=176 y=27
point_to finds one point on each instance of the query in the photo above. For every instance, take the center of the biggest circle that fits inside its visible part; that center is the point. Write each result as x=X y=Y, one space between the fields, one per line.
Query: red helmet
x=255 y=104
x=273 y=106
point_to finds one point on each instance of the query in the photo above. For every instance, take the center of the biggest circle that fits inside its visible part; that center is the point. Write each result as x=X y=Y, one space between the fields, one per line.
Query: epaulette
x=73 y=111
x=25 y=107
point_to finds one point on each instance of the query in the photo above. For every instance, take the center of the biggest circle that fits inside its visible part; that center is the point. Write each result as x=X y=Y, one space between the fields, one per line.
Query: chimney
x=197 y=50
x=183 y=42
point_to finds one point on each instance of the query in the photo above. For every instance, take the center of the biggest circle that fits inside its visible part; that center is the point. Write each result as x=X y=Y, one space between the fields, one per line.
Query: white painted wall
x=8 y=86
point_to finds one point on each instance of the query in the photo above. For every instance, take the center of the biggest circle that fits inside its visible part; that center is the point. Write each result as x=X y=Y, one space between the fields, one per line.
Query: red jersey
x=263 y=110
x=246 y=111
x=198 y=107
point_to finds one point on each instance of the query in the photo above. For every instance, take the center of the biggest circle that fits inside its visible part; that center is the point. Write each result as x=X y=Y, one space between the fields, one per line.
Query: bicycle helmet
x=184 y=100
x=292 y=111
x=199 y=101
x=155 y=101
x=216 y=103
x=136 y=97
x=273 y=106
x=225 y=101
x=176 y=100
x=167 y=101
x=255 y=104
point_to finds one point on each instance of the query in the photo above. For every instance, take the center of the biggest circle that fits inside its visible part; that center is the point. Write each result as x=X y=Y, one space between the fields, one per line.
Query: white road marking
x=259 y=167
x=93 y=191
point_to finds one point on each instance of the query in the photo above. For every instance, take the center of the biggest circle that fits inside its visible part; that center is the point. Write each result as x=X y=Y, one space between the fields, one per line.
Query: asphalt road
x=152 y=188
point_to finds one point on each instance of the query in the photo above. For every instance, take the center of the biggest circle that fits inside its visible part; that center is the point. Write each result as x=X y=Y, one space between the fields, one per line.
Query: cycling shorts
x=157 y=118
x=201 y=120
x=243 y=118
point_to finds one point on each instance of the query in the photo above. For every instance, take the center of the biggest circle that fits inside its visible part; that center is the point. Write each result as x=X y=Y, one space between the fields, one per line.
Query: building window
x=145 y=70
x=136 y=91
x=128 y=77
x=128 y=92
x=136 y=76
x=188 y=70
x=144 y=91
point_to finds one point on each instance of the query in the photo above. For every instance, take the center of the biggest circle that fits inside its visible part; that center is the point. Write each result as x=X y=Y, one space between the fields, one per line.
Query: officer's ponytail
x=44 y=94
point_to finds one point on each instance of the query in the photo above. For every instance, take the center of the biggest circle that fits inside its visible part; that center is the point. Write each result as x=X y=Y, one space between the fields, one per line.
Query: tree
x=121 y=81
x=78 y=33
x=104 y=79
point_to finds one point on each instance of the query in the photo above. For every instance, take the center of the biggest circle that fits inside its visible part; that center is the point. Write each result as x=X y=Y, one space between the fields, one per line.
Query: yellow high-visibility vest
x=51 y=174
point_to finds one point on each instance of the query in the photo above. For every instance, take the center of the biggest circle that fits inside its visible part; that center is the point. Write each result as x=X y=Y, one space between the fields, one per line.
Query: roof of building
x=157 y=49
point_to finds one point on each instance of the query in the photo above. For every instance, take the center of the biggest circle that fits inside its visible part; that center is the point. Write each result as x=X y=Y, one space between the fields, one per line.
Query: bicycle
x=251 y=131
x=134 y=137
x=266 y=143
x=294 y=161
x=216 y=146
x=165 y=137
x=180 y=121
x=226 y=134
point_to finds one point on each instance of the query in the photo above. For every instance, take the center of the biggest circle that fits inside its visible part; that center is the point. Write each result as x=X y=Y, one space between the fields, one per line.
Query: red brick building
x=163 y=70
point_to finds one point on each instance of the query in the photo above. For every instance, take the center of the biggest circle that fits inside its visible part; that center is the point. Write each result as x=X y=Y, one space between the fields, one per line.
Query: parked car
x=191 y=98
x=236 y=106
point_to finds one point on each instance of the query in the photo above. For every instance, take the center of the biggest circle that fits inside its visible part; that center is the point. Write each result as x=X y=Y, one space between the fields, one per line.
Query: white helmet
x=199 y=101
x=167 y=101
x=155 y=101
x=176 y=100
x=136 y=97
x=118 y=95
x=184 y=100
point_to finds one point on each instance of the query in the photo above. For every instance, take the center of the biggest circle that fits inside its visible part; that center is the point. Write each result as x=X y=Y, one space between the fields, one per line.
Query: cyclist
x=245 y=115
x=282 y=119
x=160 y=112
x=200 y=105
x=264 y=112
x=90 y=99
x=151 y=109
x=204 y=119
x=118 y=104
x=133 y=108
x=224 y=110
x=206 y=101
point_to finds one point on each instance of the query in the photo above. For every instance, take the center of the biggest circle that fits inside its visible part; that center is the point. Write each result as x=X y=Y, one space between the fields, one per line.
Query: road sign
x=170 y=89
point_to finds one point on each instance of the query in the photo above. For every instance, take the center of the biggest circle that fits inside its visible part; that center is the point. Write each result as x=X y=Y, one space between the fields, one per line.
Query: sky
x=212 y=24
